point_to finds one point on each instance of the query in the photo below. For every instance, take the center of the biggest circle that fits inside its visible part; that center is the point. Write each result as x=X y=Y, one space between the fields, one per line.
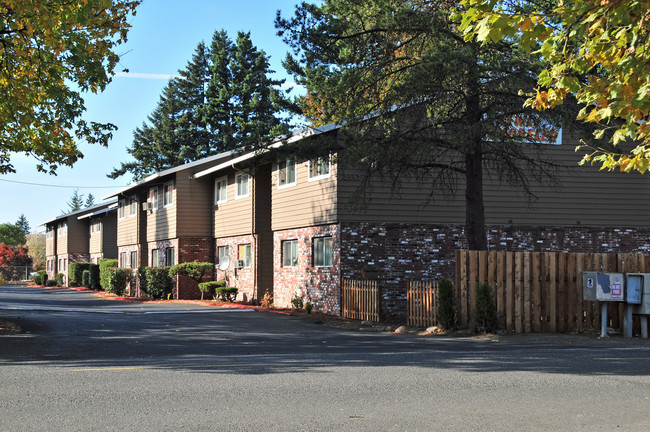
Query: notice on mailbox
x=617 y=291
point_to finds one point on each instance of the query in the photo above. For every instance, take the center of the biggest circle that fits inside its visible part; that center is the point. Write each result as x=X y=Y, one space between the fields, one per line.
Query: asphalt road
x=86 y=363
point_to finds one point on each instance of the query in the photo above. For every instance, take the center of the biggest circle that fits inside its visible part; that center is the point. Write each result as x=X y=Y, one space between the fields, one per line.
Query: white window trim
x=248 y=182
x=121 y=208
x=225 y=199
x=133 y=200
x=155 y=203
x=164 y=193
x=322 y=176
x=295 y=172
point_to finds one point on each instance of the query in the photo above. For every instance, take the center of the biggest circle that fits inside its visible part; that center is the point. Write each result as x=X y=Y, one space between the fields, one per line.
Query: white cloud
x=145 y=75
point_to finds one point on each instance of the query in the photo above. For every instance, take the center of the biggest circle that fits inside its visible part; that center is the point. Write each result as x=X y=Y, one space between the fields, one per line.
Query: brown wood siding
x=96 y=239
x=127 y=228
x=78 y=235
x=262 y=228
x=109 y=235
x=161 y=223
x=307 y=203
x=233 y=217
x=50 y=243
x=194 y=206
x=585 y=196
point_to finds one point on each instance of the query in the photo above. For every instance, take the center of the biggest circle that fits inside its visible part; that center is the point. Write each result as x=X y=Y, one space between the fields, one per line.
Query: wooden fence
x=540 y=291
x=421 y=304
x=361 y=299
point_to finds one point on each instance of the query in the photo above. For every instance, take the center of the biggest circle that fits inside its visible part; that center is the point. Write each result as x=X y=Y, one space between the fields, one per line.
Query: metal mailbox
x=640 y=298
x=604 y=287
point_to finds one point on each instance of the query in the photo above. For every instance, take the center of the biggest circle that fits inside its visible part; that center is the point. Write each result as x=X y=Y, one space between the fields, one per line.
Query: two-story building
x=86 y=235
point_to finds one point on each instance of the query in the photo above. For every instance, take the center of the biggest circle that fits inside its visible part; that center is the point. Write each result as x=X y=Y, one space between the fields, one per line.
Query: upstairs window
x=168 y=194
x=241 y=180
x=121 y=209
x=133 y=206
x=319 y=168
x=221 y=190
x=153 y=198
x=286 y=173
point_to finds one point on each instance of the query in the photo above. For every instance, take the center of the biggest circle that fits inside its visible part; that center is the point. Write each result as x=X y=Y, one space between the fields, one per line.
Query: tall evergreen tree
x=23 y=224
x=90 y=200
x=76 y=202
x=419 y=100
x=224 y=99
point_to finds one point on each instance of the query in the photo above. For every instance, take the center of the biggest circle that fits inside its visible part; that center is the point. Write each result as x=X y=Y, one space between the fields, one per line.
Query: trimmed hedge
x=75 y=273
x=85 y=277
x=42 y=277
x=94 y=281
x=104 y=265
x=116 y=280
x=159 y=284
x=50 y=283
x=59 y=279
x=211 y=287
x=227 y=293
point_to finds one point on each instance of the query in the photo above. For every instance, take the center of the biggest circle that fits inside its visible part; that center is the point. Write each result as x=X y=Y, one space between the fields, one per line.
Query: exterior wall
x=128 y=249
x=235 y=216
x=127 y=227
x=199 y=249
x=244 y=278
x=321 y=286
x=583 y=196
x=109 y=235
x=95 y=257
x=161 y=222
x=78 y=237
x=307 y=203
x=162 y=246
x=397 y=253
x=69 y=258
x=50 y=242
x=195 y=199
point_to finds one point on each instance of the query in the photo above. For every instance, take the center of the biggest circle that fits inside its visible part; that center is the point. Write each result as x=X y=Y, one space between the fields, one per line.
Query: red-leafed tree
x=11 y=256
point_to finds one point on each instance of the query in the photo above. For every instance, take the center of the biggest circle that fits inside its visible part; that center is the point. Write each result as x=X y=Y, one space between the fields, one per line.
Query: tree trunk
x=474 y=209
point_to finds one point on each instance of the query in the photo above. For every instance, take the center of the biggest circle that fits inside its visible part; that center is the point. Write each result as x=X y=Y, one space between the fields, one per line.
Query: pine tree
x=90 y=200
x=23 y=224
x=76 y=202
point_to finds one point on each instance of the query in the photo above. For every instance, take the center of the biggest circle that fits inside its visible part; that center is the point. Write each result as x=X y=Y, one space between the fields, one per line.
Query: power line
x=62 y=186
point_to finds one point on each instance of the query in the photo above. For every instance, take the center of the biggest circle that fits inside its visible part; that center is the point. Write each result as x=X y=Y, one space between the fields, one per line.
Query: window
x=319 y=168
x=169 y=257
x=323 y=251
x=286 y=173
x=155 y=258
x=133 y=206
x=122 y=259
x=223 y=253
x=153 y=198
x=221 y=190
x=134 y=259
x=63 y=229
x=245 y=254
x=241 y=181
x=121 y=209
x=290 y=253
x=95 y=227
x=168 y=194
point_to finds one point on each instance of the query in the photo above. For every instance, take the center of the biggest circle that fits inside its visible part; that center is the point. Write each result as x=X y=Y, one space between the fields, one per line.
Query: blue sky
x=161 y=41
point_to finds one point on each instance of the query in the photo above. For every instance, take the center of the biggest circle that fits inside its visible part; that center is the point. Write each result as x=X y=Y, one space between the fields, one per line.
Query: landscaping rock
x=433 y=329
x=401 y=329
x=366 y=323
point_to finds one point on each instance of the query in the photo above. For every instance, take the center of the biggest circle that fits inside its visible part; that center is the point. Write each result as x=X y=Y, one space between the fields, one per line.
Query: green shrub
x=211 y=287
x=105 y=264
x=159 y=284
x=94 y=280
x=486 y=310
x=43 y=277
x=116 y=280
x=447 y=316
x=142 y=278
x=227 y=293
x=75 y=273
x=50 y=283
x=194 y=270
x=298 y=302
x=85 y=278
x=36 y=279
x=59 y=279
x=308 y=307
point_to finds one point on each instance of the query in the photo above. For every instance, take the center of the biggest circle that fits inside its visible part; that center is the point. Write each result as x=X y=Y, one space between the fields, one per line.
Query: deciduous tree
x=598 y=51
x=50 y=53
x=11 y=234
x=36 y=250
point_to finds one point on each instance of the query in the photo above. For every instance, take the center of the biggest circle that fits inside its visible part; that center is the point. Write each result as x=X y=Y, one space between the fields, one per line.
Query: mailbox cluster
x=633 y=289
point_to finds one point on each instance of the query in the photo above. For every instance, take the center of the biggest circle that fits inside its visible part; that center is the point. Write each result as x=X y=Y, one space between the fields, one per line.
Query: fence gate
x=422 y=304
x=361 y=300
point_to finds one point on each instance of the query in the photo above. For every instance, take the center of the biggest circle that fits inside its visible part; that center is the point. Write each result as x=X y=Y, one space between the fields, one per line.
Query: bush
x=85 y=278
x=142 y=278
x=308 y=307
x=159 y=284
x=447 y=316
x=51 y=283
x=75 y=273
x=104 y=265
x=227 y=293
x=194 y=270
x=36 y=279
x=486 y=309
x=94 y=280
x=116 y=280
x=267 y=300
x=211 y=287
x=298 y=302
x=43 y=277
x=59 y=279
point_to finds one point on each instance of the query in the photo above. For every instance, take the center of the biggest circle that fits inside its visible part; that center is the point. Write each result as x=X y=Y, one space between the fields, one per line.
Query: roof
x=168 y=171
x=110 y=208
x=88 y=210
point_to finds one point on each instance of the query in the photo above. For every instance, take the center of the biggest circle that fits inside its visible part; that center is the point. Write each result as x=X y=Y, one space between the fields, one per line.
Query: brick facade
x=243 y=278
x=199 y=249
x=65 y=260
x=162 y=246
x=321 y=286
x=397 y=253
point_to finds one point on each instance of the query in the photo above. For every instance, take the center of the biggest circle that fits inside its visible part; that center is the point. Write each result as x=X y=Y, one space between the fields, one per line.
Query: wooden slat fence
x=361 y=299
x=422 y=304
x=540 y=291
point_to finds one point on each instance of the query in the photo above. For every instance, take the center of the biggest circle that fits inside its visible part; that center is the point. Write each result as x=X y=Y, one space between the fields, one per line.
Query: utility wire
x=62 y=186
